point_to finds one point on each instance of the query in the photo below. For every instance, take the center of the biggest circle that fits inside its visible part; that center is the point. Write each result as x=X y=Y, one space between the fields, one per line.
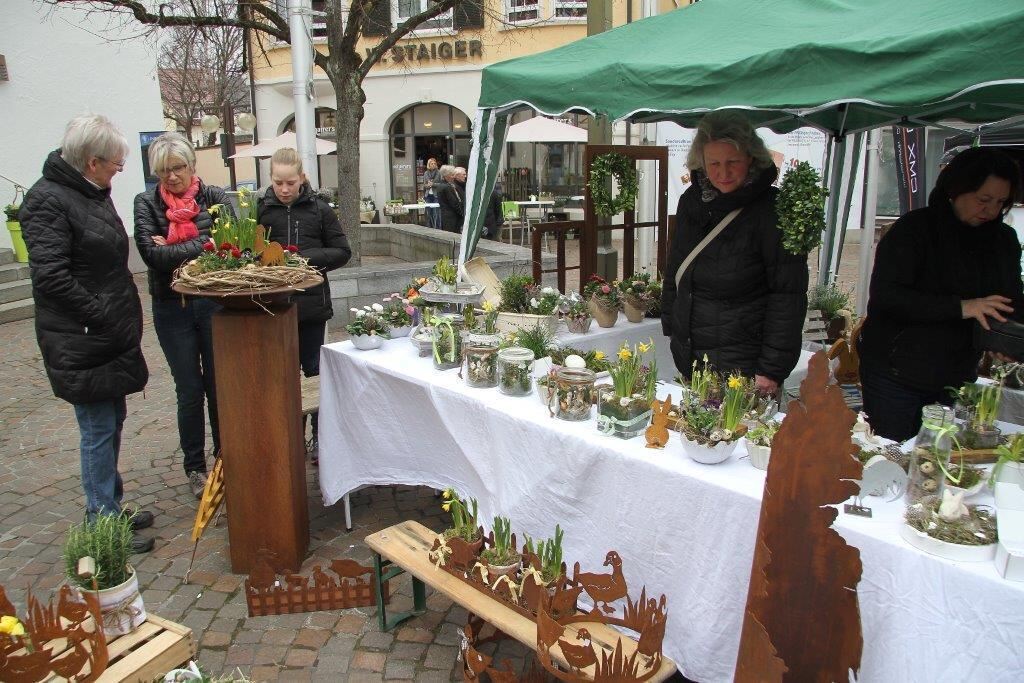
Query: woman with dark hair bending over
x=937 y=271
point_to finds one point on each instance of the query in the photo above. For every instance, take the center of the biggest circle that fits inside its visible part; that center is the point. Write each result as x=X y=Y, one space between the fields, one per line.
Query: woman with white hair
x=731 y=292
x=88 y=313
x=172 y=221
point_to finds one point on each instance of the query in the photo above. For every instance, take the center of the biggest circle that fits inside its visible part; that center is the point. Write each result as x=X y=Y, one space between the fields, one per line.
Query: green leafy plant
x=763 y=433
x=605 y=293
x=445 y=271
x=801 y=209
x=986 y=410
x=11 y=210
x=502 y=553
x=573 y=306
x=550 y=554
x=545 y=301
x=828 y=298
x=464 y=524
x=539 y=339
x=623 y=169
x=630 y=375
x=515 y=294
x=1012 y=452
x=704 y=382
x=369 y=320
x=397 y=311
x=490 y=324
x=639 y=290
x=108 y=541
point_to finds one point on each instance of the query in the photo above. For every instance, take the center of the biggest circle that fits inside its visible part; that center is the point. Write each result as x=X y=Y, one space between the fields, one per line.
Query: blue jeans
x=185 y=331
x=311 y=338
x=893 y=408
x=99 y=426
x=433 y=215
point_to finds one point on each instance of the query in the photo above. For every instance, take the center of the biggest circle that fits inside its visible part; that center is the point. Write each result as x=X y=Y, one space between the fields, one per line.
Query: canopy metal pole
x=834 y=188
x=851 y=176
x=867 y=233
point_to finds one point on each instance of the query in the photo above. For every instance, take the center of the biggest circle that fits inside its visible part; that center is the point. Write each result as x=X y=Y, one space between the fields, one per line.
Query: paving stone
x=376 y=640
x=408 y=651
x=440 y=657
x=368 y=661
x=300 y=657
x=399 y=669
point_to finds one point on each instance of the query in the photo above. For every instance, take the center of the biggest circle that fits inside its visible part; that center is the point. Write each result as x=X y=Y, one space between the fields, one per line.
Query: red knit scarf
x=181 y=210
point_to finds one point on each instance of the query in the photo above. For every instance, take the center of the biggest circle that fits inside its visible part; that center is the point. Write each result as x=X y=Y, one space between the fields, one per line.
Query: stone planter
x=367 y=342
x=510 y=322
x=759 y=455
x=708 y=455
x=402 y=331
x=121 y=607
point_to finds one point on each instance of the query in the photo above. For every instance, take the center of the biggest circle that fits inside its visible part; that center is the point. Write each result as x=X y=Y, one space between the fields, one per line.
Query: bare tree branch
x=402 y=30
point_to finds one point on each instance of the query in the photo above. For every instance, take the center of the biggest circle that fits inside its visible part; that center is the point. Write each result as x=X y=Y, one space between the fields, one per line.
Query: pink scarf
x=181 y=210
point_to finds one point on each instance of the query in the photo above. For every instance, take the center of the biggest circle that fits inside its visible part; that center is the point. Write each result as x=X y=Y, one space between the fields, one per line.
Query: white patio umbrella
x=540 y=129
x=268 y=147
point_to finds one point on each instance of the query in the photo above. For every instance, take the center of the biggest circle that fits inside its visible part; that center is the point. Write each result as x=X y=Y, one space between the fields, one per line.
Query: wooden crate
x=148 y=652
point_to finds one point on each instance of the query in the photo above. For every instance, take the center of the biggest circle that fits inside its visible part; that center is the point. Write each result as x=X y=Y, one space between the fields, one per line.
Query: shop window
x=570 y=9
x=522 y=10
x=408 y=8
x=425 y=131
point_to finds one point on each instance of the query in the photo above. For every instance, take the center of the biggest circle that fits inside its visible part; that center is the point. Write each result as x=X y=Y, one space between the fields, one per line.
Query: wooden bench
x=404 y=547
x=145 y=654
x=310 y=394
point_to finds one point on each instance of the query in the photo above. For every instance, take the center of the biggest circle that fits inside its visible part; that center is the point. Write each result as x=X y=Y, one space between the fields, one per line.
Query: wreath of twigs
x=623 y=170
x=246 y=279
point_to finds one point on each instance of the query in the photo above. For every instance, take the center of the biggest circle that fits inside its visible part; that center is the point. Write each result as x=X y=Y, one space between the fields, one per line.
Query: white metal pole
x=866 y=254
x=302 y=87
x=647 y=199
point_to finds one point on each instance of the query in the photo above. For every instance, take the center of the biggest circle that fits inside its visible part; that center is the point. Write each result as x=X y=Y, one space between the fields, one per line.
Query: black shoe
x=141 y=544
x=142 y=519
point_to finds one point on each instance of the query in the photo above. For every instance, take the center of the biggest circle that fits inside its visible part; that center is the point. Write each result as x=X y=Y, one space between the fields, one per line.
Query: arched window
x=419 y=133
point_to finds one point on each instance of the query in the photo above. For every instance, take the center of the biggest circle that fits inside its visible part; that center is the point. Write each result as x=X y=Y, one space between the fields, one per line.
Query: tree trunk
x=349 y=99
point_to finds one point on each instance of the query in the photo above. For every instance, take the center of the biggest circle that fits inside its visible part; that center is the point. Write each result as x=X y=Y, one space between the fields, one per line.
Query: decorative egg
x=929 y=485
x=927 y=467
x=574 y=361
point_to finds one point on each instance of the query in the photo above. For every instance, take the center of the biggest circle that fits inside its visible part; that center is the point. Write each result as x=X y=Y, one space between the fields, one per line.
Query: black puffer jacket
x=311 y=225
x=151 y=220
x=743 y=300
x=88 y=313
x=452 y=198
x=925 y=266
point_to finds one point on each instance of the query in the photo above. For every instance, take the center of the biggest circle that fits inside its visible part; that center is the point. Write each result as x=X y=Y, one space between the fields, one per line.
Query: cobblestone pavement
x=40 y=496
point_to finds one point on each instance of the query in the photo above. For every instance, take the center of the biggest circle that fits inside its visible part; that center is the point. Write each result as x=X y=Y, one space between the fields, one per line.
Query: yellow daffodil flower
x=599 y=355
x=735 y=382
x=625 y=354
x=644 y=348
x=448 y=494
x=488 y=307
x=244 y=205
x=214 y=210
x=446 y=506
x=11 y=626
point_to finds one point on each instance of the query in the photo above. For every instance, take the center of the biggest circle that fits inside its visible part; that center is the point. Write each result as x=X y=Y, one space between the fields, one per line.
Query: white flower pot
x=709 y=455
x=759 y=455
x=121 y=607
x=402 y=331
x=367 y=342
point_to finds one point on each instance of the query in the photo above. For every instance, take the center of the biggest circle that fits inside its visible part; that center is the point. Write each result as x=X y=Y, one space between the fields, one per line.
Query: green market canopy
x=842 y=66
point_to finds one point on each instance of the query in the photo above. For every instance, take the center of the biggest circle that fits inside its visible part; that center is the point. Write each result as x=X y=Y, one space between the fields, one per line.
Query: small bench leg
x=384 y=571
x=348 y=512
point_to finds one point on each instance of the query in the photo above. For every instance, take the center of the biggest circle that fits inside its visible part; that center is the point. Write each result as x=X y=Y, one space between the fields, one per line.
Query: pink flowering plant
x=397 y=310
x=639 y=290
x=604 y=293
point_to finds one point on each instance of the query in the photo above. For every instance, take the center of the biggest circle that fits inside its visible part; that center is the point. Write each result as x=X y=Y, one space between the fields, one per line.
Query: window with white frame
x=570 y=9
x=522 y=10
x=408 y=8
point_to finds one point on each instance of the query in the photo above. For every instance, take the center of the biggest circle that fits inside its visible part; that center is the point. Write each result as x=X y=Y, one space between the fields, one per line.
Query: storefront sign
x=425 y=52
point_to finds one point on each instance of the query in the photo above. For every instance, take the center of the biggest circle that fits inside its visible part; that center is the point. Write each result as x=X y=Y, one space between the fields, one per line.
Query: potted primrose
x=759 y=443
x=368 y=328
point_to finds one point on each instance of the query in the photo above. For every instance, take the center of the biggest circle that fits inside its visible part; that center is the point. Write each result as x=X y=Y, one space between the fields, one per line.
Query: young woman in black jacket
x=937 y=271
x=743 y=299
x=172 y=221
x=295 y=216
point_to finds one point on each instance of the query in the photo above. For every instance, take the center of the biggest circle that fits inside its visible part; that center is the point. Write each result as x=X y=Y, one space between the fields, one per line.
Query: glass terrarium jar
x=574 y=394
x=624 y=417
x=447 y=341
x=930 y=454
x=481 y=367
x=514 y=366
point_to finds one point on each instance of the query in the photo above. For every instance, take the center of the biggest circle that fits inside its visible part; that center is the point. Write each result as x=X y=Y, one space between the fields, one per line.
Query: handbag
x=705 y=242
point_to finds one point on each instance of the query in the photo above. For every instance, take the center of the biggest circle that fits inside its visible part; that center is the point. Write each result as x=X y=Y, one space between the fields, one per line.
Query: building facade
x=420 y=99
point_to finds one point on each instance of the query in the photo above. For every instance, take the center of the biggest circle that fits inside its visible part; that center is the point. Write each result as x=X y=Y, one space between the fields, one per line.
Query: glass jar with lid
x=446 y=343
x=930 y=456
x=515 y=365
x=574 y=394
x=481 y=366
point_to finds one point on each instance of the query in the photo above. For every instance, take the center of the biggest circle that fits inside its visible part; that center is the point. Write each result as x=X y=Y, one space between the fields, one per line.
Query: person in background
x=172 y=221
x=493 y=215
x=451 y=195
x=88 y=314
x=297 y=218
x=743 y=299
x=937 y=272
x=432 y=178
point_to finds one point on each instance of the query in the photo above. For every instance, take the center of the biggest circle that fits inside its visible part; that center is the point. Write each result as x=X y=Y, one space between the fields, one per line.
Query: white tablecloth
x=683 y=529
x=609 y=339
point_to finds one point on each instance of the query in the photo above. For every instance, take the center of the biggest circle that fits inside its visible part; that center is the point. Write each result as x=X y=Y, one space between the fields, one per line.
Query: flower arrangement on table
x=525 y=304
x=637 y=295
x=709 y=422
x=575 y=312
x=604 y=300
x=398 y=312
x=239 y=258
x=759 y=443
x=369 y=327
x=445 y=274
x=624 y=409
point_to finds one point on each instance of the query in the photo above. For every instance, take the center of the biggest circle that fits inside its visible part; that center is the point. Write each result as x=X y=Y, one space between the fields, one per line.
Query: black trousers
x=893 y=408
x=311 y=338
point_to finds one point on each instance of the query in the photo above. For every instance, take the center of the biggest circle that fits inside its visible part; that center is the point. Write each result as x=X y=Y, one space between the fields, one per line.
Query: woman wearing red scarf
x=172 y=222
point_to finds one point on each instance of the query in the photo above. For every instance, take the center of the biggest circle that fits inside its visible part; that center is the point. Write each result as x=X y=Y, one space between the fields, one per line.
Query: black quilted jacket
x=743 y=300
x=151 y=219
x=88 y=313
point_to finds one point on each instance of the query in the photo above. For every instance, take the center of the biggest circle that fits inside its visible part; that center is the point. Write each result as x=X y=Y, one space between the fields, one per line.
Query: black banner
x=908 y=145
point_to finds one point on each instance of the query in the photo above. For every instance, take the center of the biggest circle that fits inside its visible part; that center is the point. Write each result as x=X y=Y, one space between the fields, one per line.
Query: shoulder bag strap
x=705 y=242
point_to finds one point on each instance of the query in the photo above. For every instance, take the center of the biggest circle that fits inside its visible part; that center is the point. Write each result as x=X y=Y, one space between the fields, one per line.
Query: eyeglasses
x=176 y=170
x=118 y=164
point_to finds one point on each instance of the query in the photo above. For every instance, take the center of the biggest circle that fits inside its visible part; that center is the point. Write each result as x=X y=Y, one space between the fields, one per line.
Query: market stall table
x=683 y=529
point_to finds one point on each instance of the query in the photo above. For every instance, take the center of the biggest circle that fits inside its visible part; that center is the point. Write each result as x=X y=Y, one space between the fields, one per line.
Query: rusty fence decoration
x=63 y=640
x=351 y=585
x=802 y=619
